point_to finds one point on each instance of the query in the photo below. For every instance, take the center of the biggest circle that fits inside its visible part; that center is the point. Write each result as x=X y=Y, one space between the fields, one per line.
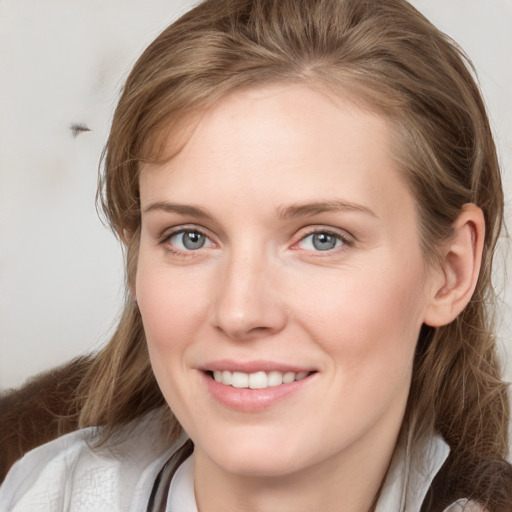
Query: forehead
x=284 y=142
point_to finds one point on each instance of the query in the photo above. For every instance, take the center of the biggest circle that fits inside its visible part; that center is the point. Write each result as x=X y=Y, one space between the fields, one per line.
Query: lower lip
x=253 y=400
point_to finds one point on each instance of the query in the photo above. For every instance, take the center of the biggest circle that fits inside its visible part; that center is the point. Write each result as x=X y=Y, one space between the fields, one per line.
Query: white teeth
x=275 y=378
x=288 y=377
x=239 y=380
x=257 y=380
x=227 y=378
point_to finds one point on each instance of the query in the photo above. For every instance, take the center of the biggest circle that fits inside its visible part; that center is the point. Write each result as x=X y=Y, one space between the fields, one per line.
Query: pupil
x=193 y=240
x=323 y=241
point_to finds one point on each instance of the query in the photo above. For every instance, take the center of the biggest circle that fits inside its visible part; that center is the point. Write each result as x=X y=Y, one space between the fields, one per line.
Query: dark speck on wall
x=78 y=128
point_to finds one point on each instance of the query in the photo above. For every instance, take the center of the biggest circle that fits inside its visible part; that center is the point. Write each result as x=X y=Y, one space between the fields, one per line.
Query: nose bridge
x=246 y=304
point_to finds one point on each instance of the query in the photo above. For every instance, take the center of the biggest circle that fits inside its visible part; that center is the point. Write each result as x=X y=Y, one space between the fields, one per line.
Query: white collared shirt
x=68 y=475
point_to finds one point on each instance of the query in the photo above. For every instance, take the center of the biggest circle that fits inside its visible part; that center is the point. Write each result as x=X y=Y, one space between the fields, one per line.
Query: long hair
x=385 y=56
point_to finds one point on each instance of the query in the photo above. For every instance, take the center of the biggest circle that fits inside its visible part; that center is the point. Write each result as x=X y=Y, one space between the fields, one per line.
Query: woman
x=309 y=197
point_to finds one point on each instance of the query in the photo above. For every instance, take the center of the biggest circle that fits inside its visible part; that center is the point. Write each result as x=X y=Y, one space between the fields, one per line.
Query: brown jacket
x=39 y=411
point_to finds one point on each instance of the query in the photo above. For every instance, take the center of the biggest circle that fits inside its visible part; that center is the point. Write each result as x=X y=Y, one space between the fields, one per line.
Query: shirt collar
x=181 y=493
x=411 y=473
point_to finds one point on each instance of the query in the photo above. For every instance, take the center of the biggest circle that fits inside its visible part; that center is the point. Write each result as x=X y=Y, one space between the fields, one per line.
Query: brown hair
x=387 y=57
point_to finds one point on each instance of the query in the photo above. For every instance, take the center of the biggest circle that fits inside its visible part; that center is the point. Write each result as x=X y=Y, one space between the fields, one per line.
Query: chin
x=258 y=466
x=257 y=457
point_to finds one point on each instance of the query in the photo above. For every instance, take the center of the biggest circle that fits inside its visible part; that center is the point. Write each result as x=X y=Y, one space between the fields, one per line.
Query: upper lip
x=253 y=366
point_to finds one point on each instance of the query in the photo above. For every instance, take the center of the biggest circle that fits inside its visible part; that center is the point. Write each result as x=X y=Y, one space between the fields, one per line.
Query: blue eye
x=321 y=241
x=189 y=240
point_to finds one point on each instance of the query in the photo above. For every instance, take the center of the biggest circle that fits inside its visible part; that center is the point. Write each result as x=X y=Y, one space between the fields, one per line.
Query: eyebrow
x=183 y=209
x=309 y=209
x=283 y=212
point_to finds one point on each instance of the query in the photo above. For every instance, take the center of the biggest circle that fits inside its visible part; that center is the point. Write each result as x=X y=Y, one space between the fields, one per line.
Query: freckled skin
x=259 y=289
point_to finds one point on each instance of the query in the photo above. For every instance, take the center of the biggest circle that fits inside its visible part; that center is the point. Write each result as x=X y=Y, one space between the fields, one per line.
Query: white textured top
x=68 y=475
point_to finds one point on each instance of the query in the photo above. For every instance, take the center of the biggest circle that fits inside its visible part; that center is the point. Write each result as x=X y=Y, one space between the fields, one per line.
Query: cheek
x=164 y=313
x=367 y=321
x=168 y=309
x=173 y=306
x=168 y=301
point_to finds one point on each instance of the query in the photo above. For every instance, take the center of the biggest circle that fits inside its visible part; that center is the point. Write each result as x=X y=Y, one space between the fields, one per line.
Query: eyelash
x=345 y=240
x=165 y=240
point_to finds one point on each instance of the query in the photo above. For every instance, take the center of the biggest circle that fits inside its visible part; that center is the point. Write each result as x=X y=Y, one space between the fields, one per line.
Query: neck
x=349 y=481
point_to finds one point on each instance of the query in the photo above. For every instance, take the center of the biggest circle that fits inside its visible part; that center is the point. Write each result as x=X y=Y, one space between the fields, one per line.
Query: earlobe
x=460 y=267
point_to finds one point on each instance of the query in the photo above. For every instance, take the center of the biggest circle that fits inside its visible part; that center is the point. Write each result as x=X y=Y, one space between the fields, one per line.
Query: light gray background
x=63 y=62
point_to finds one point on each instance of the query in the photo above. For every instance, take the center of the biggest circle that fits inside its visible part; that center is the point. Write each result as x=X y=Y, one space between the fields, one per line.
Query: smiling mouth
x=256 y=380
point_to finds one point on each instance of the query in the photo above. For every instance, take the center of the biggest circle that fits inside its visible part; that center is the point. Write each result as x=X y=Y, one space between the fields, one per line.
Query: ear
x=460 y=266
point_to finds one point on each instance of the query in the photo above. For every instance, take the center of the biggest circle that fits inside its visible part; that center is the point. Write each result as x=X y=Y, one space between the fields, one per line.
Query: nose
x=248 y=303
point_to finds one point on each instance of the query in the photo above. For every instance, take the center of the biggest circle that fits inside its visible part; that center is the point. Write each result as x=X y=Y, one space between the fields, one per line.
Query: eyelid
x=168 y=233
x=347 y=239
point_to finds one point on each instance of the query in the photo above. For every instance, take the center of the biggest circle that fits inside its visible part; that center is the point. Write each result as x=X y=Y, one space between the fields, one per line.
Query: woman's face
x=281 y=282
